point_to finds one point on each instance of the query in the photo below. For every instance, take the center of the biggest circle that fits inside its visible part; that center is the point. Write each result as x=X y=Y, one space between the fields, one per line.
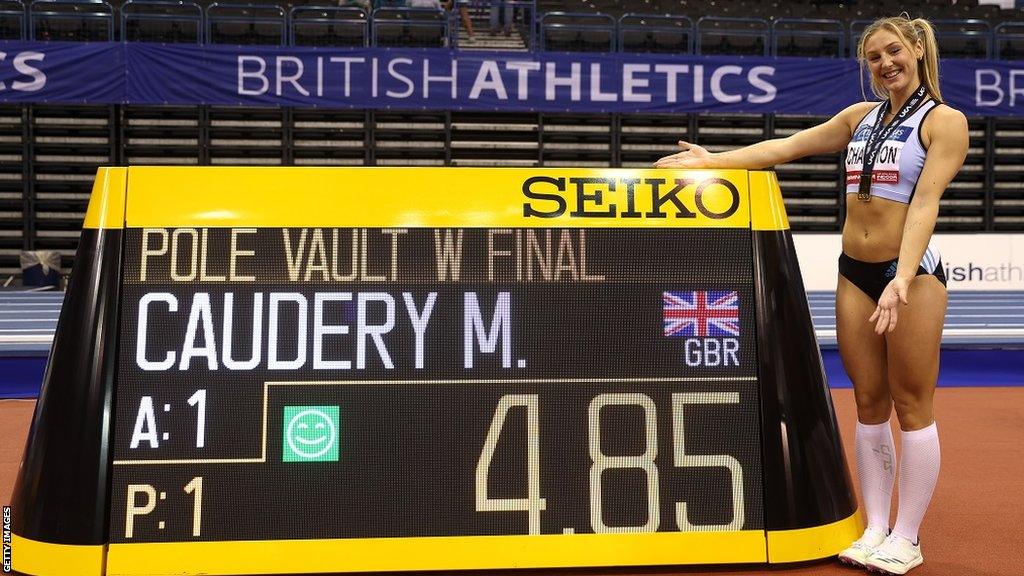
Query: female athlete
x=902 y=153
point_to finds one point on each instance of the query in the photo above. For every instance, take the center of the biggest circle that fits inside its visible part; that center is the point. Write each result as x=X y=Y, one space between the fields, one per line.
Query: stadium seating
x=329 y=26
x=245 y=24
x=970 y=38
x=811 y=37
x=329 y=137
x=71 y=20
x=494 y=139
x=419 y=27
x=48 y=153
x=1006 y=173
x=567 y=32
x=12 y=20
x=657 y=34
x=162 y=21
x=66 y=144
x=1009 y=40
x=410 y=138
x=732 y=36
x=15 y=229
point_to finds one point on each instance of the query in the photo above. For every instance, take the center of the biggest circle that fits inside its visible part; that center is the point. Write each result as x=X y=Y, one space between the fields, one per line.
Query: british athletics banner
x=62 y=72
x=463 y=80
x=441 y=79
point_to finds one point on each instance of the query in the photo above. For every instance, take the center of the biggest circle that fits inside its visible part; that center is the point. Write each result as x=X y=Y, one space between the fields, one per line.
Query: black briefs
x=873 y=277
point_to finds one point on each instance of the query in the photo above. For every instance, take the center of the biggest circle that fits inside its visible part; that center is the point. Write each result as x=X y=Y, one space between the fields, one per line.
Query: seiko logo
x=629 y=197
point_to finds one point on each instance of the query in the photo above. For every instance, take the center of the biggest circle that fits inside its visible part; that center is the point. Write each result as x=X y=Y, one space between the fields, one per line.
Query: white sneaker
x=859 y=551
x=896 y=555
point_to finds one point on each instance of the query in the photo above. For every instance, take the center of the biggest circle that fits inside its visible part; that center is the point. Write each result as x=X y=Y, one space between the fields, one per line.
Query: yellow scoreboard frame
x=62 y=499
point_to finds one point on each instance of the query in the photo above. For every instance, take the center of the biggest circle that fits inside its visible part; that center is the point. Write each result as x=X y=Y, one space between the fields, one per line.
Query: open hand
x=887 y=311
x=691 y=156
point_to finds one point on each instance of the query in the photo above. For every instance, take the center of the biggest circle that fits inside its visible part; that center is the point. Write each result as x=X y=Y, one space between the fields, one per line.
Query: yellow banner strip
x=451 y=553
x=46 y=559
x=434 y=553
x=817 y=542
x=107 y=203
x=767 y=211
x=167 y=197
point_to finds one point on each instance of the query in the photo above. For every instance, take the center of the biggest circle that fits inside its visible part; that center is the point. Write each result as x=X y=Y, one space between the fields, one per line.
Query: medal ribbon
x=880 y=134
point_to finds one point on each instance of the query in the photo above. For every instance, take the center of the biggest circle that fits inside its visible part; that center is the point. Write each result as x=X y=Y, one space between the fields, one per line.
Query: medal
x=864 y=190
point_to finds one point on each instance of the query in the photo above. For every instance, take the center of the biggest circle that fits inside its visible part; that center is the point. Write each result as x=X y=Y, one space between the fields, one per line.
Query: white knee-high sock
x=919 y=470
x=876 y=467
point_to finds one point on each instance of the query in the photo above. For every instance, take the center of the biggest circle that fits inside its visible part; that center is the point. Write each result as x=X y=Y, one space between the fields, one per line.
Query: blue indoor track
x=982 y=344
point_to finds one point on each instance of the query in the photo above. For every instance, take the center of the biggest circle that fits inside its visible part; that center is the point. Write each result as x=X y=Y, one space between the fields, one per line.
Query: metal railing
x=420 y=27
x=1008 y=40
x=656 y=33
x=75 y=20
x=735 y=36
x=966 y=38
x=161 y=21
x=13 y=23
x=328 y=26
x=571 y=31
x=808 y=37
x=314 y=25
x=51 y=151
x=229 y=23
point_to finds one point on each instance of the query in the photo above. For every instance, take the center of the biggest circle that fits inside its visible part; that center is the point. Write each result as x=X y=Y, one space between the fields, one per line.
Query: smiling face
x=893 y=64
x=312 y=430
x=311 y=433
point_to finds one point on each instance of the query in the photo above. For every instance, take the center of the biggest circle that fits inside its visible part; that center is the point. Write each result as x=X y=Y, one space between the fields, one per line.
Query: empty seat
x=820 y=37
x=427 y=28
x=597 y=40
x=317 y=26
x=561 y=39
x=161 y=21
x=655 y=33
x=576 y=31
x=635 y=40
x=245 y=24
x=66 y=20
x=735 y=36
x=12 y=20
x=1009 y=41
x=963 y=38
x=229 y=33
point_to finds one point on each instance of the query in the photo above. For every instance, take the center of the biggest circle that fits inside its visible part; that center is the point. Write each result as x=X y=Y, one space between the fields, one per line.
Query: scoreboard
x=326 y=370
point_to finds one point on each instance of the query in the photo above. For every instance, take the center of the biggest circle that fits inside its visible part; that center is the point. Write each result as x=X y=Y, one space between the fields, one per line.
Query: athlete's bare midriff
x=873 y=230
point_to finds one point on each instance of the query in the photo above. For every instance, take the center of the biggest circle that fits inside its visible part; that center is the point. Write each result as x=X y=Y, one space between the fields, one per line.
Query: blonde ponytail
x=910 y=32
x=928 y=68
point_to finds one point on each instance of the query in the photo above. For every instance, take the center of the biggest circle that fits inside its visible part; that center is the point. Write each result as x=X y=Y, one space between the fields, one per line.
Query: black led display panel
x=414 y=382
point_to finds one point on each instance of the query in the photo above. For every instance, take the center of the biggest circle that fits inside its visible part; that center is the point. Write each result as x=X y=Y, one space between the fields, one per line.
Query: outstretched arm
x=946 y=153
x=829 y=136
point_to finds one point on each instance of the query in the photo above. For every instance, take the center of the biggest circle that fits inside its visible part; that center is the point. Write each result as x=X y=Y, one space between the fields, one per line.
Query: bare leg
x=466 y=22
x=863 y=353
x=913 y=351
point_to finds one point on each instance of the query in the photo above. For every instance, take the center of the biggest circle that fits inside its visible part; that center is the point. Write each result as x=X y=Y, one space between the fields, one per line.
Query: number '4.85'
x=533 y=504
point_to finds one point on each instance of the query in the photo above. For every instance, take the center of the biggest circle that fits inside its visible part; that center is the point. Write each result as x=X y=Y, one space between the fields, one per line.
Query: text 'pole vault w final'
x=425 y=369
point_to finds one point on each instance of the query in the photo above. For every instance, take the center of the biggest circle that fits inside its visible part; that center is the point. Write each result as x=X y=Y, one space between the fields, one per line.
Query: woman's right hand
x=691 y=156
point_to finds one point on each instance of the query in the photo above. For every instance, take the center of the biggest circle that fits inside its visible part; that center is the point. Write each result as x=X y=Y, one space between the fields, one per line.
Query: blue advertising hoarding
x=441 y=79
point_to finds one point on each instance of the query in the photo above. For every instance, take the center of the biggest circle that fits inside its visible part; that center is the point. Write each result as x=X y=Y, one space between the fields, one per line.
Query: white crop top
x=899 y=161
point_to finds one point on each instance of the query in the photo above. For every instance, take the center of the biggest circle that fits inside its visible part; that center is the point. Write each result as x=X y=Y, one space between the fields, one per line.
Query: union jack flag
x=702 y=313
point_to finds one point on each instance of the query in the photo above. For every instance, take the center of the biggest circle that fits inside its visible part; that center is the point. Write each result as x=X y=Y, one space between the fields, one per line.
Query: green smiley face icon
x=310 y=433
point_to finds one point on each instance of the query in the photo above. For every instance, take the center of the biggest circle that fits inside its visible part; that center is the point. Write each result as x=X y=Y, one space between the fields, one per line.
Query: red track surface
x=975 y=526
